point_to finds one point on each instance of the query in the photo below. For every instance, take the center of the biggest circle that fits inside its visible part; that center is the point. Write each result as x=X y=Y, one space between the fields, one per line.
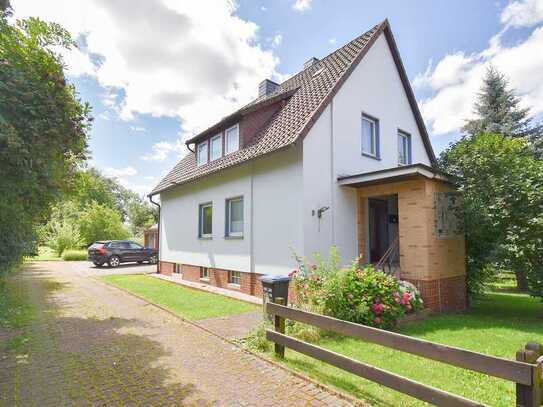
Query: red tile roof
x=307 y=94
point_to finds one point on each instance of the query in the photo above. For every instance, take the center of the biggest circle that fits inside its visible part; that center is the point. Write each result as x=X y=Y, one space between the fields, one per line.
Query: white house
x=336 y=155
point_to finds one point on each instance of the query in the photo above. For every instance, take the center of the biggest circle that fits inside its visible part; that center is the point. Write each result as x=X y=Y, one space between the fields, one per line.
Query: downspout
x=332 y=172
x=158 y=232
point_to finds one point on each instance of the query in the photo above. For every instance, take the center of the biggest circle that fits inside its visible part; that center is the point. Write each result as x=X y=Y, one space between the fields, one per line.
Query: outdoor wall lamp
x=320 y=211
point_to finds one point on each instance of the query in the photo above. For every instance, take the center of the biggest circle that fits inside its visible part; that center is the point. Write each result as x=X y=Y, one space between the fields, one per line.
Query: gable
x=375 y=89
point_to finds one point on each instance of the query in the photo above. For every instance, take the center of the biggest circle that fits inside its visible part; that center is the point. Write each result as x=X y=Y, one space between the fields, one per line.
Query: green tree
x=98 y=222
x=497 y=111
x=43 y=130
x=502 y=183
x=141 y=215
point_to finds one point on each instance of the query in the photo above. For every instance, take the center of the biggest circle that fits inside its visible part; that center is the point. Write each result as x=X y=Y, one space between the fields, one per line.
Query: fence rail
x=525 y=371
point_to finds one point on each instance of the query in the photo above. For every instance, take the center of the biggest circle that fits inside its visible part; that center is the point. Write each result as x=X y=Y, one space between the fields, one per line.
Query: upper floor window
x=370 y=136
x=201 y=153
x=205 y=220
x=216 y=147
x=404 y=148
x=234 y=217
x=231 y=141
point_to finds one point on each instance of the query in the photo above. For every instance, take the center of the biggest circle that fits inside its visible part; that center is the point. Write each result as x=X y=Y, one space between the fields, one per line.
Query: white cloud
x=138 y=129
x=276 y=40
x=194 y=61
x=523 y=13
x=302 y=5
x=332 y=41
x=457 y=78
x=161 y=151
x=119 y=172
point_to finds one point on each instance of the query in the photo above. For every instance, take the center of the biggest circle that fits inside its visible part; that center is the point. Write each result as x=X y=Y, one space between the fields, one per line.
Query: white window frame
x=198 y=147
x=201 y=233
x=217 y=137
x=226 y=137
x=204 y=273
x=229 y=216
x=375 y=136
x=234 y=278
x=407 y=137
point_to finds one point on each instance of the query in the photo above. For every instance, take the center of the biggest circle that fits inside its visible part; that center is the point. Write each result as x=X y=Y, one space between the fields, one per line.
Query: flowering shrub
x=357 y=294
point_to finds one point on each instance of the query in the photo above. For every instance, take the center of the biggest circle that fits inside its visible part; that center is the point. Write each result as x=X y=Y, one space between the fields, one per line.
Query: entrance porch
x=409 y=225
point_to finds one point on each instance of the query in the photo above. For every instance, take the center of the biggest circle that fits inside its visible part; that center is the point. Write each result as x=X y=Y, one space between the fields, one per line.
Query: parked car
x=115 y=252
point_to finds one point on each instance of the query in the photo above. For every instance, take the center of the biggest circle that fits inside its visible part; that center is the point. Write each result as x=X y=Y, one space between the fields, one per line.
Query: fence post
x=531 y=396
x=280 y=327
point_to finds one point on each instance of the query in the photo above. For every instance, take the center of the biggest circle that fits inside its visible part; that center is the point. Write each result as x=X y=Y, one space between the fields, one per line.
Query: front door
x=378 y=228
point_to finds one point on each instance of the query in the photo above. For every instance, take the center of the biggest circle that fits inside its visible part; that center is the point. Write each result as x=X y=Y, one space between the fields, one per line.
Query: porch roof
x=392 y=175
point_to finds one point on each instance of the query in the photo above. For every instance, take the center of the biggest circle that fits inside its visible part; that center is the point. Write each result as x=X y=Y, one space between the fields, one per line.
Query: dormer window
x=216 y=147
x=231 y=142
x=201 y=153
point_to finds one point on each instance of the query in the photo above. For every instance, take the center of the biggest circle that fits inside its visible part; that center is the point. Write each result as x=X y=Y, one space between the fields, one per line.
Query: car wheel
x=114 y=261
x=153 y=259
x=98 y=264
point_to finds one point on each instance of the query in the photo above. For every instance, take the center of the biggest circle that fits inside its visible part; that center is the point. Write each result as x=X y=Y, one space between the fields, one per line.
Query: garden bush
x=359 y=294
x=74 y=255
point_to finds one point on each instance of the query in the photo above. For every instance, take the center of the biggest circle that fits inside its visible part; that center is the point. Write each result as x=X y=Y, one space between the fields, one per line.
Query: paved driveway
x=92 y=344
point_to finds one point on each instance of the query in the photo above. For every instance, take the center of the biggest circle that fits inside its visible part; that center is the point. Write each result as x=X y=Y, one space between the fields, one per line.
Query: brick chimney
x=267 y=87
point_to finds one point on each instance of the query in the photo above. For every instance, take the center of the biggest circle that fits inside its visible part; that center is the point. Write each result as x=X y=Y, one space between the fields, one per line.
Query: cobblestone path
x=91 y=344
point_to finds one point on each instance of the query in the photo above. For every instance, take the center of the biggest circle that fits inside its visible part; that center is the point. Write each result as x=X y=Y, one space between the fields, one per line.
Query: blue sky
x=156 y=72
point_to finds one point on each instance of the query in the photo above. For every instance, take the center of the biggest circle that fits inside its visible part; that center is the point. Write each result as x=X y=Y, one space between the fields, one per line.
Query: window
x=234 y=217
x=370 y=136
x=232 y=139
x=135 y=246
x=201 y=157
x=234 y=277
x=204 y=273
x=216 y=147
x=404 y=148
x=205 y=220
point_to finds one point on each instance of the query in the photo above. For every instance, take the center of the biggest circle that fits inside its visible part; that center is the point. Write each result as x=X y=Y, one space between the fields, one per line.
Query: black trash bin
x=274 y=287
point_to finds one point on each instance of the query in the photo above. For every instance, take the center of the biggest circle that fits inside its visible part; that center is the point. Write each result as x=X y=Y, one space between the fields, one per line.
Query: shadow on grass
x=73 y=360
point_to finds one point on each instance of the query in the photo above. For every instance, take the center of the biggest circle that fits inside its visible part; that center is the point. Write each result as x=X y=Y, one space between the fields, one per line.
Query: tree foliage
x=502 y=183
x=498 y=111
x=43 y=130
x=98 y=222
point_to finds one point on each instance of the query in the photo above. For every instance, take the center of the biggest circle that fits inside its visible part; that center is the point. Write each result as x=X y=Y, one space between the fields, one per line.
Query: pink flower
x=406 y=297
x=378 y=308
x=377 y=320
x=292 y=273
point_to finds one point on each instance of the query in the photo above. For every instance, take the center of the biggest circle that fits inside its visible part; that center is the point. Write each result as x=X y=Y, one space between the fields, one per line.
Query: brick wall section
x=437 y=265
x=250 y=282
x=166 y=268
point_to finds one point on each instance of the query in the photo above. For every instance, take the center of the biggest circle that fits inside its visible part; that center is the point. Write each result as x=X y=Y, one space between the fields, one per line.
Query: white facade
x=333 y=148
x=271 y=189
x=284 y=191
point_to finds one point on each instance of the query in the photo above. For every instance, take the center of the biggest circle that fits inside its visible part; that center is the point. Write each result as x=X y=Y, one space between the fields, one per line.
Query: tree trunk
x=522 y=281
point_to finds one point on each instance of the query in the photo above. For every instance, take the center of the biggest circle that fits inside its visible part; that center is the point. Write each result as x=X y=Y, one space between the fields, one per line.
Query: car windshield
x=97 y=245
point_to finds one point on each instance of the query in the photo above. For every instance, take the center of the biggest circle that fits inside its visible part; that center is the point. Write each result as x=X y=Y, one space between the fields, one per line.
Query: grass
x=499 y=325
x=74 y=255
x=186 y=302
x=15 y=312
x=44 y=254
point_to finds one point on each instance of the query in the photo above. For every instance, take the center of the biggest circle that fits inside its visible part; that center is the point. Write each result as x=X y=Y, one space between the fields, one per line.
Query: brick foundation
x=443 y=295
x=166 y=268
x=250 y=282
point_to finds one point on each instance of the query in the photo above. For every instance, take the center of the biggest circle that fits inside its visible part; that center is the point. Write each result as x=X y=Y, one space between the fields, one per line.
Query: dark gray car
x=115 y=252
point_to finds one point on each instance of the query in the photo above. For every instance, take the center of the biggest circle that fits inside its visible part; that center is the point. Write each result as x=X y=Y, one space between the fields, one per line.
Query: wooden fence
x=526 y=371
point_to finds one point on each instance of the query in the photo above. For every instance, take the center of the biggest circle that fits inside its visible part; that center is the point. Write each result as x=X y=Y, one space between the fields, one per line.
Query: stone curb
x=339 y=394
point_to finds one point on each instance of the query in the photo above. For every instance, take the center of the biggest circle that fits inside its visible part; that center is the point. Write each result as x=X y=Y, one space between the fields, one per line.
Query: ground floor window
x=204 y=273
x=234 y=277
x=178 y=268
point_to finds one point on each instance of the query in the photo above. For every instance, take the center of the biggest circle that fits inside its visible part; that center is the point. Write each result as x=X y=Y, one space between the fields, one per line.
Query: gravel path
x=92 y=344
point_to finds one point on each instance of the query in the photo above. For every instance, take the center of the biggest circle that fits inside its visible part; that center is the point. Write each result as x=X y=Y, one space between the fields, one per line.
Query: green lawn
x=499 y=325
x=15 y=311
x=44 y=254
x=186 y=302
